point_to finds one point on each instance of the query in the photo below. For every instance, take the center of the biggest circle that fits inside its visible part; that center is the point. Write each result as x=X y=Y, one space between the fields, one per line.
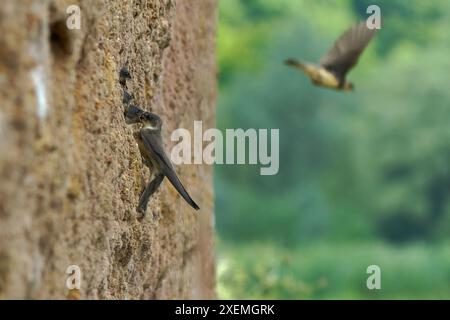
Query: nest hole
x=60 y=39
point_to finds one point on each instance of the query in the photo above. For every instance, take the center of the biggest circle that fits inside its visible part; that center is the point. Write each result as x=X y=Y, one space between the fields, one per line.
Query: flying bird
x=331 y=72
x=151 y=147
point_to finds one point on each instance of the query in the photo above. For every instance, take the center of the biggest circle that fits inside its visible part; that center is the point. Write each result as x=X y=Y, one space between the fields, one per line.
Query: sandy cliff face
x=70 y=170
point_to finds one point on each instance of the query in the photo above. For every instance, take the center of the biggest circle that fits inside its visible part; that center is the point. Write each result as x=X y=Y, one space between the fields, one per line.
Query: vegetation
x=265 y=271
x=364 y=177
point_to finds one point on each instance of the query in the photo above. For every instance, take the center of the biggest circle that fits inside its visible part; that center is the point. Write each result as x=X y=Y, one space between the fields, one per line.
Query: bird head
x=124 y=74
x=151 y=121
x=132 y=114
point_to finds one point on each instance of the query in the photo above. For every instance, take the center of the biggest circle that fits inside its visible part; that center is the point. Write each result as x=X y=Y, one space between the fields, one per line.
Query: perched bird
x=333 y=67
x=153 y=156
x=151 y=147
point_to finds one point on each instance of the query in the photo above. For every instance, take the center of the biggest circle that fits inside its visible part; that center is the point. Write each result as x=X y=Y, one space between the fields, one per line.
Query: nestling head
x=124 y=74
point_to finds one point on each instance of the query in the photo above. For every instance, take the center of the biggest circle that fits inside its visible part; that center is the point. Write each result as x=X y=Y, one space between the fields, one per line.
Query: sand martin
x=151 y=147
x=332 y=69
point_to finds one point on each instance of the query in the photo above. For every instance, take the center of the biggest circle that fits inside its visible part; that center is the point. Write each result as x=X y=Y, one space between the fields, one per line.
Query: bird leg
x=148 y=191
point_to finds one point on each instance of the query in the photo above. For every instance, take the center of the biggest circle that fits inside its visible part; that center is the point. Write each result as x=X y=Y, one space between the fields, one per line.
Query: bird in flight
x=331 y=72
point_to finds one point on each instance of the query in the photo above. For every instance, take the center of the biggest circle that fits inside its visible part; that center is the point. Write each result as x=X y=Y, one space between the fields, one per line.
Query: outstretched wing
x=346 y=50
x=153 y=143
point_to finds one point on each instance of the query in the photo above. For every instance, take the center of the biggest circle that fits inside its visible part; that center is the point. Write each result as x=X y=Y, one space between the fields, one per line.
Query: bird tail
x=173 y=178
x=296 y=64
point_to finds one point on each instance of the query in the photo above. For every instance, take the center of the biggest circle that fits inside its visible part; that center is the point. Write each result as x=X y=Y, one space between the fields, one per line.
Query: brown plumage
x=333 y=67
x=151 y=147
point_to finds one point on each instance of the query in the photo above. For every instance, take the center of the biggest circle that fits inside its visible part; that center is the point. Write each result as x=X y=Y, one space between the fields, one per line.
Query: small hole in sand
x=60 y=39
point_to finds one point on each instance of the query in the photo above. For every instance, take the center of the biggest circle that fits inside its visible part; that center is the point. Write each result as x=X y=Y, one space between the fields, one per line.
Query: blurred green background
x=364 y=177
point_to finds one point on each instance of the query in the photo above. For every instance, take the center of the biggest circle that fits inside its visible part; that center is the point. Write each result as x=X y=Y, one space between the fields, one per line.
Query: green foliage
x=245 y=27
x=355 y=169
x=407 y=21
x=330 y=271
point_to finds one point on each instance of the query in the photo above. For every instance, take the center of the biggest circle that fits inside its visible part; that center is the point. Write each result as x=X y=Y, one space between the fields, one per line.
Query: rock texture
x=70 y=170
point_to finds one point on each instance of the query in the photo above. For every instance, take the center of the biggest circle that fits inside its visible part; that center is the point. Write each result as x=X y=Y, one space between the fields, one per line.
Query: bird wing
x=153 y=142
x=346 y=50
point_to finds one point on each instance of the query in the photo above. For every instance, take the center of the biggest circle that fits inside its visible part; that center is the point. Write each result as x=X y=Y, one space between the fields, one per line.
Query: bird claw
x=141 y=213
